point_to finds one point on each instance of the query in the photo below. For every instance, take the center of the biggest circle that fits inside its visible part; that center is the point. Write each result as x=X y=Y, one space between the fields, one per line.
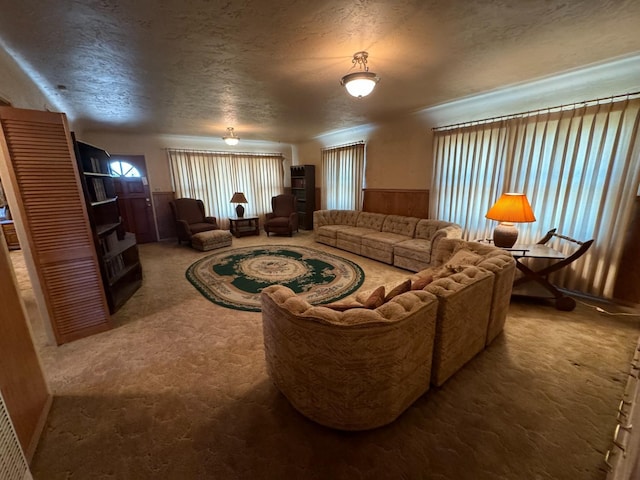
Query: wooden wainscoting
x=164 y=217
x=410 y=203
x=627 y=286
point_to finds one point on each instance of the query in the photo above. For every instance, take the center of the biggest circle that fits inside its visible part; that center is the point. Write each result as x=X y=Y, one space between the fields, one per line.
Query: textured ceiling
x=271 y=69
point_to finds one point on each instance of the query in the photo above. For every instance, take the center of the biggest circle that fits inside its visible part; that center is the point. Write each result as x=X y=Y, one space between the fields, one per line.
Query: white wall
x=17 y=87
x=399 y=151
x=153 y=147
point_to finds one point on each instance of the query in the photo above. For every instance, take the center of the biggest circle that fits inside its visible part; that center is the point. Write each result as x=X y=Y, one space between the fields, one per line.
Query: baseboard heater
x=13 y=464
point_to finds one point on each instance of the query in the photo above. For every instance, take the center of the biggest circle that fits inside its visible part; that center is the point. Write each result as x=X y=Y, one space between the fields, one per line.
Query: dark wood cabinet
x=116 y=248
x=303 y=187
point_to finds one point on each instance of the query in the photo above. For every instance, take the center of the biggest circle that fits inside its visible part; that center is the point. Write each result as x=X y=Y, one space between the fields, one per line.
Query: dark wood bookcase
x=117 y=249
x=303 y=187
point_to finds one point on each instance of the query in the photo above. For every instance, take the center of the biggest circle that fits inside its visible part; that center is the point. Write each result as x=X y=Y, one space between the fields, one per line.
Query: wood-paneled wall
x=21 y=379
x=410 y=203
x=627 y=286
x=164 y=217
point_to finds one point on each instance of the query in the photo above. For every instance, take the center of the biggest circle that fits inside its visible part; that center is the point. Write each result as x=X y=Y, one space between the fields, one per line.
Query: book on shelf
x=95 y=165
x=114 y=266
x=111 y=241
x=98 y=189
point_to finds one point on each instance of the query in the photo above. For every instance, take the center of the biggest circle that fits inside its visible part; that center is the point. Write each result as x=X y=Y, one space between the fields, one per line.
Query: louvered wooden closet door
x=52 y=215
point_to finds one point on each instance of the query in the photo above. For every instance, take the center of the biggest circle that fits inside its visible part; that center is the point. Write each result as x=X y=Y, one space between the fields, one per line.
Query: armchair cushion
x=284 y=218
x=190 y=218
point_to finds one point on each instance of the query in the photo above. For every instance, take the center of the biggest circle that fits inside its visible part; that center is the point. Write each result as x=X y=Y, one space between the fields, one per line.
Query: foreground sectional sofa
x=358 y=365
x=406 y=242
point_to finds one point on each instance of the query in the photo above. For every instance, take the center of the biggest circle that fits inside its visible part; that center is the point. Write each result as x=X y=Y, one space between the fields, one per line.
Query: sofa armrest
x=322 y=218
x=269 y=215
x=293 y=220
x=184 y=227
x=439 y=255
x=212 y=220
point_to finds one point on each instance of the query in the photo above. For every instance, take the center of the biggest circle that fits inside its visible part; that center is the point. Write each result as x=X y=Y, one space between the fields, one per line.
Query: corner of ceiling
x=613 y=77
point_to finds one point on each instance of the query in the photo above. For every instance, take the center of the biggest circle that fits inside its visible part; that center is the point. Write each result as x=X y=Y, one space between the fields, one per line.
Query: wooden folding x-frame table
x=541 y=251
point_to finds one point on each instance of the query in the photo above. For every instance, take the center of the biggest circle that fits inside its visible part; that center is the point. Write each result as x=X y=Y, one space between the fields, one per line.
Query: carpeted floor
x=179 y=391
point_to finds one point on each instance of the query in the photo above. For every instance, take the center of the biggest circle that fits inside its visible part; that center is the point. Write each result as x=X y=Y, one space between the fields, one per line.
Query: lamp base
x=505 y=235
x=240 y=211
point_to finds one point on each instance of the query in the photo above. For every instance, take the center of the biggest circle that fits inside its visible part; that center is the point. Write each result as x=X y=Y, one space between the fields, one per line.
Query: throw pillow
x=374 y=301
x=421 y=282
x=402 y=288
x=462 y=258
x=376 y=298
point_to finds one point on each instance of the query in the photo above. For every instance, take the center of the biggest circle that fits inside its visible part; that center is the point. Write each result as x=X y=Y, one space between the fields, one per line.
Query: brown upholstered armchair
x=284 y=218
x=190 y=218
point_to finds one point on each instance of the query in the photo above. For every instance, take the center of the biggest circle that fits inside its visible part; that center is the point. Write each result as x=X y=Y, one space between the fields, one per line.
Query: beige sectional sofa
x=406 y=242
x=352 y=370
x=361 y=368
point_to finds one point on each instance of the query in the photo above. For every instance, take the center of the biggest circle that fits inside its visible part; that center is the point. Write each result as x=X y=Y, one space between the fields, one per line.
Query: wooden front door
x=134 y=197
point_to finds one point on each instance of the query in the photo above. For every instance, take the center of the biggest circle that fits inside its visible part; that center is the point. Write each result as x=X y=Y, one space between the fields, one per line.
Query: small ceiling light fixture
x=230 y=138
x=360 y=84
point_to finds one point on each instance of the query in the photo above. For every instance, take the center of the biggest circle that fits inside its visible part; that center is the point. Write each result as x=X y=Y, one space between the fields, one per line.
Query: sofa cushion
x=415 y=248
x=372 y=221
x=382 y=240
x=462 y=258
x=328 y=230
x=343 y=306
x=345 y=217
x=404 y=226
x=353 y=234
x=426 y=228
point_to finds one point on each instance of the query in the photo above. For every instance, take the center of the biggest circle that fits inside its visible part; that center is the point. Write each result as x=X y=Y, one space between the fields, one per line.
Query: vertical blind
x=213 y=177
x=579 y=167
x=343 y=177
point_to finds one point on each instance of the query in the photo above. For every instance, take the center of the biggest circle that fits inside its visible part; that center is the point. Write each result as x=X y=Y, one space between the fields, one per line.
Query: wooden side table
x=241 y=227
x=539 y=277
x=10 y=235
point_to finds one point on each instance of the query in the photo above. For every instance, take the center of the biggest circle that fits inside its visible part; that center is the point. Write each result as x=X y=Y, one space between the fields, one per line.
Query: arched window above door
x=123 y=169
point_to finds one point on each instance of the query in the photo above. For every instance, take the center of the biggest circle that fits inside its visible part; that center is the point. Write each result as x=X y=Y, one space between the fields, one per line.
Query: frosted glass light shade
x=360 y=84
x=230 y=138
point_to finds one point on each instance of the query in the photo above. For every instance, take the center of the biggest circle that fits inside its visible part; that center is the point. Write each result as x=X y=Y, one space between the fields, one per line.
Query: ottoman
x=211 y=239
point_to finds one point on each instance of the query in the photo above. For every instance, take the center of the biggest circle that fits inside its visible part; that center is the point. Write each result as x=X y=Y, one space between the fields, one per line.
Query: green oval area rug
x=235 y=278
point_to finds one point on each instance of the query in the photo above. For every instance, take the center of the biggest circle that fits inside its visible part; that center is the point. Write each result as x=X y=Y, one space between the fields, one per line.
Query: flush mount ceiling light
x=360 y=84
x=230 y=138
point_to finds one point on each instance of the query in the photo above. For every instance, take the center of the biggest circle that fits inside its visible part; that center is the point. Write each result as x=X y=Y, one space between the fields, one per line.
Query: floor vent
x=13 y=465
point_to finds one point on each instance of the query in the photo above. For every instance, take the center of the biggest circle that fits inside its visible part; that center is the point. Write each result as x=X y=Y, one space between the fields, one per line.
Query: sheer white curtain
x=213 y=177
x=343 y=177
x=579 y=167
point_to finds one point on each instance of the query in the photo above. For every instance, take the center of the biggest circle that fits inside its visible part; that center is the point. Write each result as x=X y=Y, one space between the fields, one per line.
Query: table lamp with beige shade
x=239 y=198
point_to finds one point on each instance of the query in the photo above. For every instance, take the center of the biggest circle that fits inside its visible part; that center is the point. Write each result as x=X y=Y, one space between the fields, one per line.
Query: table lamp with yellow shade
x=509 y=209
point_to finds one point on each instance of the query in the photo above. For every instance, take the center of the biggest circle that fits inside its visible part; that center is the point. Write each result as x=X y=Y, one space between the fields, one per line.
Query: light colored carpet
x=179 y=391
